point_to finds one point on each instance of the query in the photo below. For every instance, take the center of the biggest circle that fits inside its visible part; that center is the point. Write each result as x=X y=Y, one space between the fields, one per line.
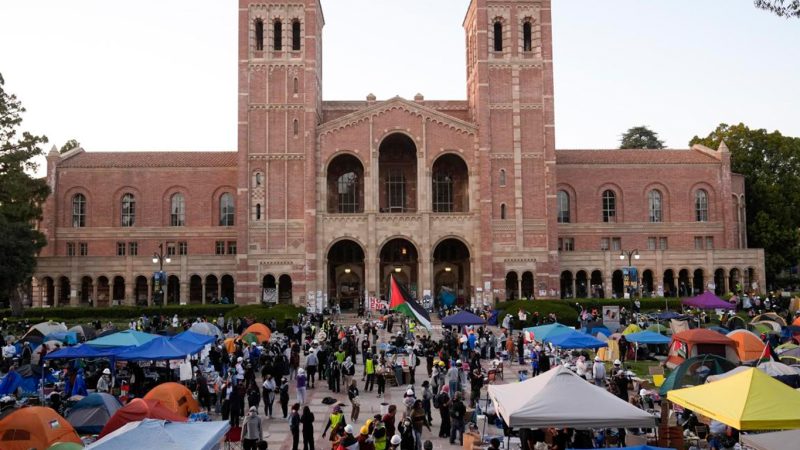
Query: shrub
x=264 y=314
x=119 y=312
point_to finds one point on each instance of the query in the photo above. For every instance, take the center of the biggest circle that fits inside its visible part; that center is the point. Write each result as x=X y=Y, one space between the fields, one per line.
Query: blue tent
x=542 y=332
x=594 y=329
x=25 y=378
x=462 y=318
x=127 y=338
x=91 y=414
x=720 y=330
x=648 y=337
x=84 y=351
x=493 y=318
x=575 y=339
x=67 y=337
x=156 y=349
x=194 y=338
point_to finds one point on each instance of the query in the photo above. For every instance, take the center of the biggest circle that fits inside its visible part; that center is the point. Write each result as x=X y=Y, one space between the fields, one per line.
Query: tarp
x=575 y=339
x=462 y=318
x=158 y=349
x=749 y=347
x=700 y=341
x=749 y=400
x=84 y=351
x=25 y=378
x=140 y=409
x=707 y=300
x=695 y=371
x=163 y=435
x=611 y=352
x=206 y=329
x=127 y=338
x=35 y=427
x=776 y=440
x=643 y=447
x=541 y=332
x=175 y=397
x=666 y=315
x=91 y=414
x=595 y=329
x=260 y=330
x=647 y=337
x=559 y=398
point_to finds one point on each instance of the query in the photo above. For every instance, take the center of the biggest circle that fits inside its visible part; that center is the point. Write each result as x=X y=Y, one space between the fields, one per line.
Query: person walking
x=284 y=396
x=599 y=372
x=352 y=394
x=419 y=420
x=236 y=405
x=369 y=372
x=348 y=370
x=443 y=403
x=268 y=393
x=301 y=385
x=307 y=420
x=457 y=412
x=294 y=425
x=311 y=367
x=252 y=433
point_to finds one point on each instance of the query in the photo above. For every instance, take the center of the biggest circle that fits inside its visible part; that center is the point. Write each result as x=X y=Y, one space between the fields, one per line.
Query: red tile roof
x=634 y=156
x=132 y=160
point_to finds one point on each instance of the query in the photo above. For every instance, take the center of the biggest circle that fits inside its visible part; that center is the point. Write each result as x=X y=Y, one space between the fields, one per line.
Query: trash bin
x=384 y=409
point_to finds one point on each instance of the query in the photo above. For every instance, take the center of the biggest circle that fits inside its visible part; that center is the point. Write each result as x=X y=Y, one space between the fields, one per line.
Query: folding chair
x=233 y=439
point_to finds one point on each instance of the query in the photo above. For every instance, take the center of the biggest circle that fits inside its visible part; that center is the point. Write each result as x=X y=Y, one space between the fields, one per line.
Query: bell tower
x=280 y=98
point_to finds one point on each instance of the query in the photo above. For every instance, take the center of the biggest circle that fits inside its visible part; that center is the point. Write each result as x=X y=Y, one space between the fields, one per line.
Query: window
x=562 y=199
x=133 y=248
x=604 y=243
x=226 y=210
x=651 y=243
x=698 y=242
x=78 y=211
x=569 y=244
x=662 y=243
x=121 y=246
x=295 y=127
x=277 y=35
x=171 y=250
x=70 y=249
x=258 y=211
x=220 y=248
x=502 y=177
x=701 y=205
x=183 y=248
x=231 y=247
x=503 y=211
x=295 y=86
x=347 y=189
x=442 y=193
x=128 y=210
x=258 y=179
x=498 y=36
x=177 y=210
x=657 y=243
x=609 y=206
x=259 y=34
x=654 y=205
x=296 y=35
x=616 y=244
x=396 y=190
x=84 y=249
x=527 y=37
x=709 y=242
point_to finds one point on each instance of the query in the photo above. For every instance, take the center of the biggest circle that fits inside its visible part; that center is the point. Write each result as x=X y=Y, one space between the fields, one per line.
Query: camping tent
x=771 y=317
x=735 y=322
x=206 y=328
x=644 y=447
x=175 y=397
x=25 y=378
x=748 y=400
x=707 y=300
x=64 y=337
x=542 y=332
x=748 y=346
x=91 y=414
x=700 y=341
x=84 y=351
x=35 y=427
x=658 y=328
x=260 y=330
x=777 y=440
x=160 y=434
x=575 y=339
x=695 y=371
x=44 y=328
x=85 y=331
x=462 y=318
x=678 y=325
x=127 y=338
x=632 y=328
x=647 y=337
x=140 y=409
x=559 y=398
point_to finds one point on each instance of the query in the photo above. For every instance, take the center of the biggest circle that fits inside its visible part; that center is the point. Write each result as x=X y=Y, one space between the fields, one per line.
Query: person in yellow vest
x=412 y=326
x=369 y=371
x=336 y=422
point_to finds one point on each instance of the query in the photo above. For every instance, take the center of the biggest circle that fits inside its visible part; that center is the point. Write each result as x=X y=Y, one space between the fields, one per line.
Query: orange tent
x=748 y=345
x=140 y=409
x=175 y=397
x=230 y=345
x=260 y=330
x=35 y=428
x=700 y=341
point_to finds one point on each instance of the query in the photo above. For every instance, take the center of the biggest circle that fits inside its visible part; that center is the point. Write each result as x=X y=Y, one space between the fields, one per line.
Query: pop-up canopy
x=127 y=338
x=575 y=339
x=707 y=300
x=152 y=433
x=463 y=318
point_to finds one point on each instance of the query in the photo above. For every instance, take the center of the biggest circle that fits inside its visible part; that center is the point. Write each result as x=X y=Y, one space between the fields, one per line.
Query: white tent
x=778 y=440
x=163 y=435
x=559 y=398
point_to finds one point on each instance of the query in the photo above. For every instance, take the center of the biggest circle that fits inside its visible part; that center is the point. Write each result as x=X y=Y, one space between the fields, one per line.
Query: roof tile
x=633 y=156
x=131 y=160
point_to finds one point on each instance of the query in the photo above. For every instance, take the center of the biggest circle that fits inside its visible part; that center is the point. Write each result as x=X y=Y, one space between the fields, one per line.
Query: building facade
x=327 y=199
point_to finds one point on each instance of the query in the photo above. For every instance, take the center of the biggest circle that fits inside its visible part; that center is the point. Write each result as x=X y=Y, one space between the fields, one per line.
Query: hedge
x=119 y=312
x=264 y=314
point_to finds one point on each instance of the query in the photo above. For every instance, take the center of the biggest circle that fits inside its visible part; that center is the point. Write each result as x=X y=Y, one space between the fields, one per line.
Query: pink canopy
x=707 y=300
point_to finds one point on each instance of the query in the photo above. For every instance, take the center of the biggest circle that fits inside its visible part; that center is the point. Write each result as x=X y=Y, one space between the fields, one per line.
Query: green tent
x=658 y=328
x=694 y=371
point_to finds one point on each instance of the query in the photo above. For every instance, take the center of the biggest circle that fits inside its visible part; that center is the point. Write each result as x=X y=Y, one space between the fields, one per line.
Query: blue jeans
x=453 y=388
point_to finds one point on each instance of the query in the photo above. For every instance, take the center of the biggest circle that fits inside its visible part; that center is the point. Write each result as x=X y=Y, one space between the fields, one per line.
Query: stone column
x=574 y=286
x=184 y=293
x=74 y=300
x=94 y=291
x=204 y=290
x=165 y=290
x=129 y=285
x=519 y=285
x=149 y=293
x=36 y=293
x=219 y=289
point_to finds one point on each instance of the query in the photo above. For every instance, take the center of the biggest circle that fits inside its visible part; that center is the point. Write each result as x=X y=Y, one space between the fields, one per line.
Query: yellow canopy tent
x=632 y=328
x=611 y=352
x=749 y=400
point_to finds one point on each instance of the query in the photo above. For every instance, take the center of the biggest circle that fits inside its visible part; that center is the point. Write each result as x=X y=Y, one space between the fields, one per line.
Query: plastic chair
x=658 y=380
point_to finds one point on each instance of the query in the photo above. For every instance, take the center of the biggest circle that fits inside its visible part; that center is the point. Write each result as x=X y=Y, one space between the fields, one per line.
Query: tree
x=21 y=197
x=640 y=137
x=781 y=8
x=770 y=163
x=69 y=145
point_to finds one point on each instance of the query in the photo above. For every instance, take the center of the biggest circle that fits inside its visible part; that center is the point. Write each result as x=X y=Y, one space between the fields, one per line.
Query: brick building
x=326 y=199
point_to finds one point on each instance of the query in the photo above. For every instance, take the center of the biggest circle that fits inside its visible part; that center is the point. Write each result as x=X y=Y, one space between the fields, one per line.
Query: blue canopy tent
x=194 y=338
x=158 y=349
x=575 y=339
x=542 y=332
x=127 y=338
x=648 y=337
x=84 y=351
x=462 y=318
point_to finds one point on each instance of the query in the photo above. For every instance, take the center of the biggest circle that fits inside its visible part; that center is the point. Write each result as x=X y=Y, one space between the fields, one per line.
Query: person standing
x=457 y=412
x=236 y=404
x=419 y=420
x=443 y=403
x=268 y=392
x=369 y=371
x=294 y=425
x=301 y=386
x=311 y=367
x=252 y=433
x=307 y=419
x=284 y=396
x=598 y=372
x=352 y=394
x=380 y=375
x=104 y=382
x=348 y=370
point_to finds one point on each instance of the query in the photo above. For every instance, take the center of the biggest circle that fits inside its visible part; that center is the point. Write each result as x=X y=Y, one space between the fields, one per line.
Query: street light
x=630 y=254
x=398 y=269
x=160 y=258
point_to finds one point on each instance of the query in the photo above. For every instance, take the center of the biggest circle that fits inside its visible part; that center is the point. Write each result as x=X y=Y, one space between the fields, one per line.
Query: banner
x=611 y=318
x=630 y=279
x=269 y=295
x=376 y=304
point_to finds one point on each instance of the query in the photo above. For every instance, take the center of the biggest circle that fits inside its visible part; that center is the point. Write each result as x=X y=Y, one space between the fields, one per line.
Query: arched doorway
x=346 y=274
x=719 y=281
x=140 y=292
x=285 y=289
x=87 y=286
x=228 y=289
x=449 y=185
x=617 y=284
x=345 y=185
x=173 y=290
x=669 y=283
x=451 y=271
x=598 y=290
x=512 y=286
x=581 y=284
x=752 y=281
x=399 y=257
x=212 y=289
x=49 y=289
x=269 y=289
x=684 y=283
x=527 y=285
x=647 y=283
x=195 y=289
x=698 y=282
x=63 y=291
x=734 y=281
x=566 y=284
x=118 y=291
x=103 y=292
x=397 y=169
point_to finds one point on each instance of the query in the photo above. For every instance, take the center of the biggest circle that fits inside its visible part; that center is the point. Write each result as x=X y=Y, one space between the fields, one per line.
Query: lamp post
x=160 y=258
x=630 y=254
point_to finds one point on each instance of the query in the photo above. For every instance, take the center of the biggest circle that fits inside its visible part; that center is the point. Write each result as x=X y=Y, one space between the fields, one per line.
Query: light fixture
x=347 y=270
x=622 y=256
x=403 y=251
x=636 y=256
x=168 y=260
x=398 y=269
x=155 y=259
x=448 y=269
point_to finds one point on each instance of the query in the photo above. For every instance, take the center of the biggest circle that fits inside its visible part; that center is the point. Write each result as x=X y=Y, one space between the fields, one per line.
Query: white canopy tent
x=559 y=398
x=778 y=440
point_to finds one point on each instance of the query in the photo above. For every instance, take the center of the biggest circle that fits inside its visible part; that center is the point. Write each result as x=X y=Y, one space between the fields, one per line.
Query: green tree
x=640 y=137
x=69 y=145
x=782 y=8
x=770 y=163
x=21 y=197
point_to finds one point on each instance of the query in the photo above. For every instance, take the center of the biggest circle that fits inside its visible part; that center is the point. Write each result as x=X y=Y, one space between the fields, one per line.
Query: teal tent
x=542 y=332
x=127 y=338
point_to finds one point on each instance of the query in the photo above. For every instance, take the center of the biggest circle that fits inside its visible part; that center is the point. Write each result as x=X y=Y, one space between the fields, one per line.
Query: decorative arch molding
x=573 y=200
x=713 y=204
x=344 y=152
x=620 y=200
x=352 y=239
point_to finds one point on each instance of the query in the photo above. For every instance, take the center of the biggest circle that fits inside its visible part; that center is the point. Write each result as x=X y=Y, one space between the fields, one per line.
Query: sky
x=161 y=75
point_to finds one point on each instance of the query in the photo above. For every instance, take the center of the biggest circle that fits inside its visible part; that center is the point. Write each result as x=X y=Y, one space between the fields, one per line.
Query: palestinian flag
x=767 y=355
x=399 y=300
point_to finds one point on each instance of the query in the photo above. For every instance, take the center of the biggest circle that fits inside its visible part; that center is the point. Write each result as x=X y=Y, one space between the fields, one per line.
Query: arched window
x=502 y=177
x=258 y=179
x=258 y=211
x=609 y=206
x=226 y=210
x=498 y=36
x=177 y=210
x=562 y=198
x=442 y=193
x=348 y=196
x=277 y=35
x=503 y=211
x=295 y=127
x=296 y=35
x=295 y=85
x=128 y=218
x=654 y=205
x=527 y=36
x=78 y=211
x=701 y=205
x=259 y=34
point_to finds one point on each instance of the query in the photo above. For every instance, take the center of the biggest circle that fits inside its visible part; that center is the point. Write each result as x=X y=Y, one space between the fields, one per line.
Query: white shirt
x=9 y=351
